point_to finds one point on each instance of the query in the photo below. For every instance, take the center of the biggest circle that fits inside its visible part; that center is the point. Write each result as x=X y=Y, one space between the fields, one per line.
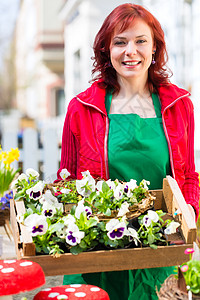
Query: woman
x=131 y=123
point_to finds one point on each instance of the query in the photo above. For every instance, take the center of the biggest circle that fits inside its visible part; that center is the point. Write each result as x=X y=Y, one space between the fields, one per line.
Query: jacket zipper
x=106 y=135
x=166 y=133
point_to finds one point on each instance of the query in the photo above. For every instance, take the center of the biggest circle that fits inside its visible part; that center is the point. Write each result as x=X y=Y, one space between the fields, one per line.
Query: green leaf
x=56 y=227
x=76 y=250
x=105 y=187
x=19 y=196
x=153 y=246
x=91 y=223
x=108 y=212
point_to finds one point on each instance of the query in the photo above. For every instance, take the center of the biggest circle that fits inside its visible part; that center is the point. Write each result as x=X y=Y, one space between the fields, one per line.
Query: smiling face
x=131 y=51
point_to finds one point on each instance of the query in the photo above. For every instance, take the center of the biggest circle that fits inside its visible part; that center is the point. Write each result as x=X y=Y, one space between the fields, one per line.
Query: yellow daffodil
x=7 y=173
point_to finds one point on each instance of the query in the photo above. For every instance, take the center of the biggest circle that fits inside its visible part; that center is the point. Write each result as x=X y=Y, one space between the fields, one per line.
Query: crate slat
x=111 y=260
x=188 y=225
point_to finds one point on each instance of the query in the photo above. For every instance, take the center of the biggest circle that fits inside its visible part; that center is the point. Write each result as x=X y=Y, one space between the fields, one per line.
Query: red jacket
x=85 y=135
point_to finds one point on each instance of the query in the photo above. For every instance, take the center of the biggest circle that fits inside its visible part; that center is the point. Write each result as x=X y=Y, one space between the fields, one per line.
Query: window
x=59 y=102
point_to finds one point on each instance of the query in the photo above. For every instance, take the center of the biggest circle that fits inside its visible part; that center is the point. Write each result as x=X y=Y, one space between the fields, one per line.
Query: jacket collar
x=95 y=96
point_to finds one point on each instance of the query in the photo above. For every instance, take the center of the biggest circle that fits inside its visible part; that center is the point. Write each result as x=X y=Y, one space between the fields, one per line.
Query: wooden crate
x=169 y=199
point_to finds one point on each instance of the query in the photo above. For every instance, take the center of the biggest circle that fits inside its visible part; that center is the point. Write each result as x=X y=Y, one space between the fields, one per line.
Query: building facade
x=40 y=59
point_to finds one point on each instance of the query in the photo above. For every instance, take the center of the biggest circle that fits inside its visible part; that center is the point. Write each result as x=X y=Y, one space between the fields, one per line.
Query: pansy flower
x=48 y=210
x=35 y=192
x=64 y=174
x=149 y=217
x=22 y=176
x=86 y=185
x=111 y=184
x=65 y=191
x=123 y=209
x=116 y=229
x=133 y=235
x=145 y=184
x=50 y=198
x=118 y=192
x=171 y=228
x=36 y=224
x=69 y=219
x=99 y=185
x=32 y=172
x=129 y=187
x=74 y=235
x=81 y=208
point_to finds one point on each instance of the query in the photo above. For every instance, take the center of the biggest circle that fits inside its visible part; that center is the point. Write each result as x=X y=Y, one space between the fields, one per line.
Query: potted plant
x=186 y=283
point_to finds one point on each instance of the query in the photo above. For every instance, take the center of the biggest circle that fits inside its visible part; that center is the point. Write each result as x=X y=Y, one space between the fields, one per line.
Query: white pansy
x=74 y=235
x=86 y=185
x=129 y=187
x=68 y=220
x=48 y=210
x=118 y=192
x=145 y=184
x=35 y=192
x=133 y=235
x=123 y=209
x=146 y=221
x=171 y=228
x=116 y=229
x=52 y=201
x=32 y=172
x=50 y=198
x=85 y=173
x=42 y=200
x=61 y=233
x=113 y=223
x=111 y=184
x=64 y=174
x=81 y=208
x=36 y=224
x=153 y=215
x=99 y=185
x=65 y=191
x=22 y=176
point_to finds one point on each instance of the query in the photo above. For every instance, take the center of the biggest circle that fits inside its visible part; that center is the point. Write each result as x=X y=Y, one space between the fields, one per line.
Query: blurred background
x=45 y=59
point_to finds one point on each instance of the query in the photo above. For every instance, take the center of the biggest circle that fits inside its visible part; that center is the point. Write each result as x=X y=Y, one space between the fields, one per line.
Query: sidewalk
x=7 y=247
x=7 y=251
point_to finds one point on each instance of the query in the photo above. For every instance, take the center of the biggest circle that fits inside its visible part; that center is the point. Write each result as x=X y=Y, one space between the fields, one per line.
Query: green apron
x=137 y=149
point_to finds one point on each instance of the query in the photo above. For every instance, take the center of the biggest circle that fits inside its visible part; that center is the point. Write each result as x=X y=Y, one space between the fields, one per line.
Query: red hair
x=121 y=18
